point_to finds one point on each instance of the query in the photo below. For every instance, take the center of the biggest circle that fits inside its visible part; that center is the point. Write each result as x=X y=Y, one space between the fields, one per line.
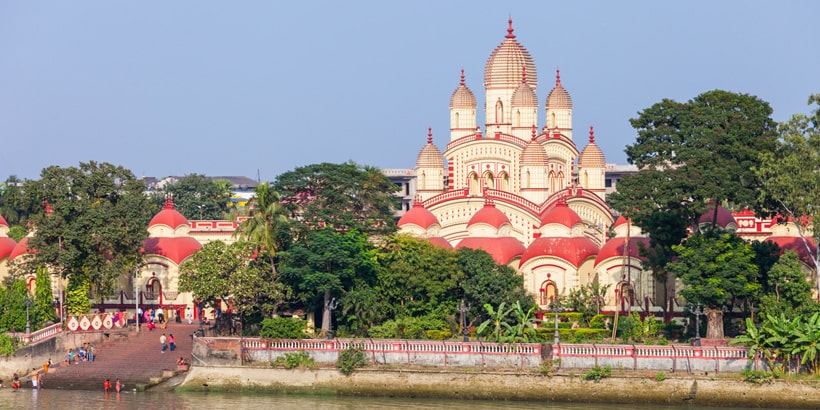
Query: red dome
x=503 y=250
x=21 y=249
x=620 y=221
x=418 y=215
x=439 y=241
x=489 y=215
x=724 y=217
x=175 y=249
x=7 y=245
x=573 y=250
x=561 y=214
x=615 y=248
x=795 y=243
x=168 y=216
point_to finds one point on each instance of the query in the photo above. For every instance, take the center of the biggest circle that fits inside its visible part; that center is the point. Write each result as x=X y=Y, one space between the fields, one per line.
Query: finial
x=462 y=76
x=510 y=29
x=429 y=135
x=169 y=202
x=591 y=135
x=557 y=77
x=533 y=132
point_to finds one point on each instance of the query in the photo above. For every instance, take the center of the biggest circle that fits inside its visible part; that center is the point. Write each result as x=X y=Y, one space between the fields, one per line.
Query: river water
x=90 y=400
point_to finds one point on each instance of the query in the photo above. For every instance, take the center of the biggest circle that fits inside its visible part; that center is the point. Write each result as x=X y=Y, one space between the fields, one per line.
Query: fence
x=39 y=335
x=671 y=358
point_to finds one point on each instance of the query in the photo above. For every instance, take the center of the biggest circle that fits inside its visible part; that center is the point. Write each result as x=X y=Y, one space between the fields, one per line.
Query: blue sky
x=236 y=88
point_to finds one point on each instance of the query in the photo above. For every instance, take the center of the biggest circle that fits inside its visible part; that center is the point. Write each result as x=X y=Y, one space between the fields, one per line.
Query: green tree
x=12 y=201
x=691 y=153
x=13 y=317
x=587 y=300
x=717 y=270
x=487 y=282
x=786 y=289
x=665 y=228
x=342 y=197
x=263 y=226
x=197 y=196
x=221 y=272
x=325 y=264
x=44 y=299
x=90 y=226
x=790 y=179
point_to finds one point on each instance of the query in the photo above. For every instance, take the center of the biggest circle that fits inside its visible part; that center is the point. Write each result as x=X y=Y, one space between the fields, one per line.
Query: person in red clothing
x=118 y=385
x=107 y=385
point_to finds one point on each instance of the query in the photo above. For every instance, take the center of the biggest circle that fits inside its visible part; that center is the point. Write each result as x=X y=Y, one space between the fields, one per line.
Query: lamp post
x=330 y=305
x=136 y=298
x=28 y=302
x=697 y=311
x=555 y=308
x=463 y=309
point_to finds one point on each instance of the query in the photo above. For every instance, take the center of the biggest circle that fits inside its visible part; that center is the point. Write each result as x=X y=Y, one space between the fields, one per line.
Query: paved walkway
x=134 y=360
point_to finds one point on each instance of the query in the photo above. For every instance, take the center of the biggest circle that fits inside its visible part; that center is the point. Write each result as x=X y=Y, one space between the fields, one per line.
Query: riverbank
x=564 y=387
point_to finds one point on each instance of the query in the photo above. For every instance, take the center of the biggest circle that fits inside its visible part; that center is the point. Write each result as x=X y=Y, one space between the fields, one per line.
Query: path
x=134 y=360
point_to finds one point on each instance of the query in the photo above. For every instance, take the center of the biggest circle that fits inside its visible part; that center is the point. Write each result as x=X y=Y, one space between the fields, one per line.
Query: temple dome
x=592 y=156
x=524 y=96
x=462 y=96
x=418 y=215
x=558 y=96
x=489 y=215
x=534 y=154
x=507 y=62
x=562 y=214
x=430 y=156
x=168 y=216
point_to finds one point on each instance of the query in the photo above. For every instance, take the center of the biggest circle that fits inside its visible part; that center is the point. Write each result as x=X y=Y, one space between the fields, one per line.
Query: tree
x=325 y=264
x=13 y=313
x=12 y=201
x=198 y=197
x=786 y=289
x=43 y=299
x=219 y=272
x=487 y=282
x=665 y=228
x=716 y=269
x=266 y=219
x=691 y=153
x=790 y=179
x=342 y=197
x=89 y=226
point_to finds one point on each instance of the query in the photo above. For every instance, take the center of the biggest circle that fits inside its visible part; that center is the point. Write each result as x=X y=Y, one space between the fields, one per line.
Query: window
x=608 y=182
x=547 y=293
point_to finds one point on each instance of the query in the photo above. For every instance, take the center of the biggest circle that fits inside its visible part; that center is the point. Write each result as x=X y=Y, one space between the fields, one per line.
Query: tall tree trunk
x=715 y=328
x=326 y=314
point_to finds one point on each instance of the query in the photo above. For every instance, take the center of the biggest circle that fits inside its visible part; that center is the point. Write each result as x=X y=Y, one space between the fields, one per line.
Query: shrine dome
x=168 y=216
x=430 y=156
x=503 y=249
x=558 y=96
x=21 y=248
x=796 y=244
x=524 y=96
x=6 y=244
x=507 y=62
x=561 y=214
x=615 y=247
x=724 y=217
x=418 y=215
x=573 y=250
x=534 y=154
x=173 y=248
x=462 y=97
x=591 y=156
x=489 y=215
x=439 y=242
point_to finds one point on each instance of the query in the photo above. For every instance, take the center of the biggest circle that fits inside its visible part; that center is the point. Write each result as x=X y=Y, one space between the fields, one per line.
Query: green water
x=71 y=399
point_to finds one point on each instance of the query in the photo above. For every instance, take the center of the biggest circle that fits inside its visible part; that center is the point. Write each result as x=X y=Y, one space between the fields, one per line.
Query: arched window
x=499 y=112
x=489 y=180
x=517 y=118
x=552 y=121
x=474 y=187
x=585 y=179
x=527 y=182
x=547 y=293
x=153 y=288
x=504 y=181
x=458 y=124
x=553 y=182
x=423 y=180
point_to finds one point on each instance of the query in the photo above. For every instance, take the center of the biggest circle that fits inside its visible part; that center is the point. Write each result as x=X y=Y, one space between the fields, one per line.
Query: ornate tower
x=462 y=111
x=559 y=108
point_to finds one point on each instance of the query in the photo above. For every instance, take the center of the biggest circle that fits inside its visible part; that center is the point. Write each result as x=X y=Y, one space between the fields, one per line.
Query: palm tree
x=266 y=216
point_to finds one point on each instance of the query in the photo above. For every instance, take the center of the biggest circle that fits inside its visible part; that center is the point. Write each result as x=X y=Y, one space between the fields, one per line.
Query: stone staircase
x=136 y=360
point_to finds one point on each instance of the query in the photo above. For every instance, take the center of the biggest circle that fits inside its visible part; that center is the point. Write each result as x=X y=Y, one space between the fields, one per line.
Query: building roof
x=462 y=96
x=562 y=214
x=503 y=250
x=592 y=156
x=7 y=245
x=418 y=215
x=615 y=247
x=558 y=96
x=524 y=96
x=175 y=249
x=573 y=250
x=168 y=216
x=430 y=156
x=724 y=217
x=489 y=215
x=21 y=249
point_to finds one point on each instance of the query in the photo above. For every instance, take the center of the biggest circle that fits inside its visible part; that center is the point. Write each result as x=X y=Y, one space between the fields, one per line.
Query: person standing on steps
x=107 y=385
x=171 y=342
x=189 y=314
x=162 y=341
x=161 y=317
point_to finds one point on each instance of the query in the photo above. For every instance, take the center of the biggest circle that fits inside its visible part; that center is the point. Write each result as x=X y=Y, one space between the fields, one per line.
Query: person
x=189 y=314
x=146 y=317
x=39 y=380
x=162 y=341
x=35 y=380
x=107 y=385
x=181 y=362
x=69 y=356
x=15 y=384
x=171 y=342
x=178 y=315
x=89 y=353
x=160 y=315
x=81 y=353
x=118 y=386
x=46 y=365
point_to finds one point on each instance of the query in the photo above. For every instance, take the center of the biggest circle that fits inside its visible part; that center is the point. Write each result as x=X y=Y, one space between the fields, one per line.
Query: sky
x=258 y=88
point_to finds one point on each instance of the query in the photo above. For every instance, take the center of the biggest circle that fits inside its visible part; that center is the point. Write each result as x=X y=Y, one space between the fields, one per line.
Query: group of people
x=35 y=377
x=154 y=317
x=167 y=342
x=107 y=385
x=84 y=353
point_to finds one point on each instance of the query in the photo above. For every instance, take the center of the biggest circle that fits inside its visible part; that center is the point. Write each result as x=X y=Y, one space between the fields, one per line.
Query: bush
x=300 y=359
x=597 y=373
x=660 y=377
x=409 y=328
x=439 y=334
x=600 y=321
x=548 y=367
x=757 y=376
x=350 y=359
x=283 y=328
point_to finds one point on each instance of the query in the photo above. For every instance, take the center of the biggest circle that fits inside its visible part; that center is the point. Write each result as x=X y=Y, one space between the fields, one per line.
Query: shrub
x=600 y=321
x=300 y=359
x=283 y=328
x=439 y=334
x=597 y=373
x=660 y=377
x=757 y=376
x=548 y=367
x=409 y=328
x=351 y=358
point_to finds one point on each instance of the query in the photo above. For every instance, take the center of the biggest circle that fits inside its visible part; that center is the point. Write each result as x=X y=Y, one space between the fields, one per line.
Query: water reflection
x=72 y=399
